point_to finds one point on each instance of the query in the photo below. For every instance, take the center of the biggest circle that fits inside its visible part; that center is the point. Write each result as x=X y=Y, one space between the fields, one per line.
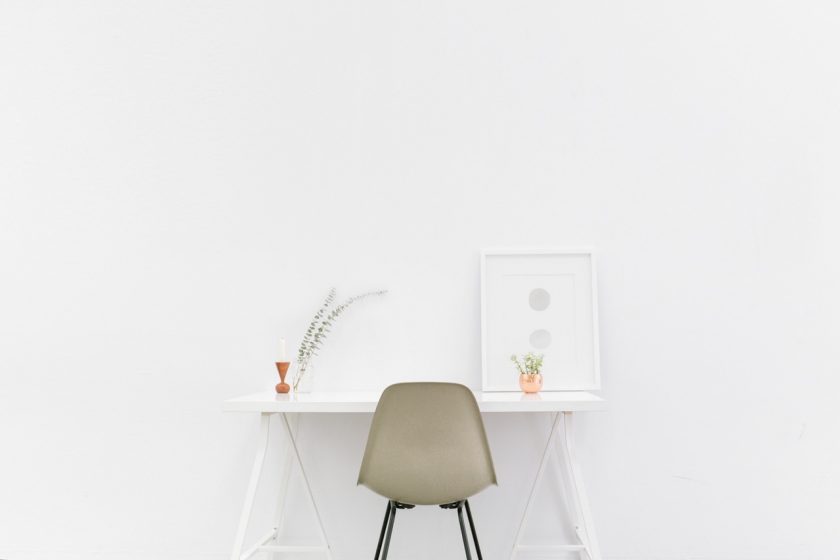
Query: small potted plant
x=529 y=366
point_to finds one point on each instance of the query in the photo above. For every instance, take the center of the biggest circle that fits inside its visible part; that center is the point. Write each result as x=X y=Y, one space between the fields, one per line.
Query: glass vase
x=304 y=379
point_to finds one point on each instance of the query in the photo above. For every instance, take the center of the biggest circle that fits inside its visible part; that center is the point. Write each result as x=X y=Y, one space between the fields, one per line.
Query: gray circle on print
x=540 y=339
x=539 y=299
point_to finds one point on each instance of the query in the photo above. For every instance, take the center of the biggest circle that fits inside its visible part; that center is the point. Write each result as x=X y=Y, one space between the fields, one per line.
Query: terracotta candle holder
x=282 y=368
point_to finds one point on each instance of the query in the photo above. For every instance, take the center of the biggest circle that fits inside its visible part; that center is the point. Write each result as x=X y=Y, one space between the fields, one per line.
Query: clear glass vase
x=304 y=379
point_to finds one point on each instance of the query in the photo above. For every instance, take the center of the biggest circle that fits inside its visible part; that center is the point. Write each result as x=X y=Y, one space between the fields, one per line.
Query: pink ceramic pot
x=530 y=383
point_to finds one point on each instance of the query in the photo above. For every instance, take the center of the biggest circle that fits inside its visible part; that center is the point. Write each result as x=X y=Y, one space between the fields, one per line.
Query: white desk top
x=319 y=401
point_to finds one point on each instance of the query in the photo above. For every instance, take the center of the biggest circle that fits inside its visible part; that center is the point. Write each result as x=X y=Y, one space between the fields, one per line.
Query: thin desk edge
x=353 y=402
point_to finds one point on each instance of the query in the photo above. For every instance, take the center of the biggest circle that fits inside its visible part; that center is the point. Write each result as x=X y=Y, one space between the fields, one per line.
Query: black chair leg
x=382 y=532
x=464 y=530
x=472 y=528
x=388 y=532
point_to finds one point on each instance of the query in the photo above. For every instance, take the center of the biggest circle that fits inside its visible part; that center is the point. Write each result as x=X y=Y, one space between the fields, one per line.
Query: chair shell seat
x=427 y=445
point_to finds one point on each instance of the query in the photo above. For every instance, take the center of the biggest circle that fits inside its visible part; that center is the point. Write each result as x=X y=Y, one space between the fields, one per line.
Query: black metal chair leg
x=472 y=528
x=382 y=532
x=464 y=531
x=388 y=532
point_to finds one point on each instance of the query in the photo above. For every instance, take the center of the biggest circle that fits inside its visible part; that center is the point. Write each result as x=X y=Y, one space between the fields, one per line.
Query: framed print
x=542 y=301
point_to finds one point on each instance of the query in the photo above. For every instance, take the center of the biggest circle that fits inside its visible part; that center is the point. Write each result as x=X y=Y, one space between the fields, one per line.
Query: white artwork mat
x=545 y=302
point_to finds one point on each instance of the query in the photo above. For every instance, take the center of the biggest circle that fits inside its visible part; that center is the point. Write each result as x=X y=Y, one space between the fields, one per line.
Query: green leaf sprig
x=320 y=326
x=530 y=363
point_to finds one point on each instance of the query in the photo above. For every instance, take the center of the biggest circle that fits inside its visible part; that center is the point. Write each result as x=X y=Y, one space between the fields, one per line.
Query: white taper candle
x=281 y=351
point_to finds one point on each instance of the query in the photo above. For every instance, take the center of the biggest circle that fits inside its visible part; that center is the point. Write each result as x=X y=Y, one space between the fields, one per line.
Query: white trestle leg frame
x=568 y=472
x=273 y=535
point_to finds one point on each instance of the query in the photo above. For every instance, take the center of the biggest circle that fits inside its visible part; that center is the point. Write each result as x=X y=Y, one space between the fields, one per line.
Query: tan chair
x=427 y=446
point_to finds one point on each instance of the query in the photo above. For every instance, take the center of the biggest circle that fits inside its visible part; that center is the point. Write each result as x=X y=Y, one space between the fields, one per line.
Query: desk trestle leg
x=274 y=534
x=256 y=471
x=280 y=516
x=568 y=471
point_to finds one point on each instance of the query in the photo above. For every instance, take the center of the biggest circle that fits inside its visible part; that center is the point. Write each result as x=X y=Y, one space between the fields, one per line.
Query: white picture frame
x=543 y=301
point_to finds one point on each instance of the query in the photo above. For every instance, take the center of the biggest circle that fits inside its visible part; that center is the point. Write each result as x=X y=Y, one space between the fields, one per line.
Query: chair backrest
x=427 y=445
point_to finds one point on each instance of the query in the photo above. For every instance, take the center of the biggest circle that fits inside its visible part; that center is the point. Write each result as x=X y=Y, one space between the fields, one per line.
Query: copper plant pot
x=530 y=382
x=282 y=368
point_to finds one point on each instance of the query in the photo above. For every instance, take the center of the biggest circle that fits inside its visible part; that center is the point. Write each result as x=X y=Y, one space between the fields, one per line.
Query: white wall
x=181 y=182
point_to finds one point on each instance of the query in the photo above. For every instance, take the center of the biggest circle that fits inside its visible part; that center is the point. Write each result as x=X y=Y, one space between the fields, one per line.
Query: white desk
x=560 y=405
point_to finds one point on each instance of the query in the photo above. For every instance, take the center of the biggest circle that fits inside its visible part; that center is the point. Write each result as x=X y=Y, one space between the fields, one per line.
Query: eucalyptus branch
x=313 y=325
x=321 y=326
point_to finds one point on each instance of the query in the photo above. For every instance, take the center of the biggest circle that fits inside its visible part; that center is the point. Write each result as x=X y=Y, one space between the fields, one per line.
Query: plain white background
x=181 y=182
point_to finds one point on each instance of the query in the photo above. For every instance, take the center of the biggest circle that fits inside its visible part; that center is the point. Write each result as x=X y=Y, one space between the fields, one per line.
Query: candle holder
x=282 y=368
